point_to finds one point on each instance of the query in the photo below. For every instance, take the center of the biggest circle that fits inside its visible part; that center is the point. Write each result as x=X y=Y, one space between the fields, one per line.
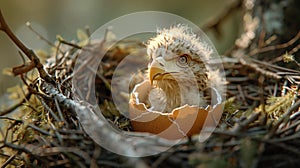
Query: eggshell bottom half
x=182 y=122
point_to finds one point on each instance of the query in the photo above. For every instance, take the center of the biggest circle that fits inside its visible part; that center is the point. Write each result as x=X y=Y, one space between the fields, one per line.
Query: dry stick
x=240 y=90
x=275 y=47
x=69 y=43
x=10 y=118
x=28 y=24
x=40 y=130
x=254 y=116
x=60 y=113
x=270 y=65
x=261 y=80
x=10 y=159
x=45 y=105
x=292 y=126
x=255 y=67
x=87 y=118
x=294 y=50
x=262 y=35
x=28 y=52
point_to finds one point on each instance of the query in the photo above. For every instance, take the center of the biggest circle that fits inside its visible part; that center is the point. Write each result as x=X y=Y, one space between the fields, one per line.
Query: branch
x=97 y=128
x=276 y=47
x=28 y=52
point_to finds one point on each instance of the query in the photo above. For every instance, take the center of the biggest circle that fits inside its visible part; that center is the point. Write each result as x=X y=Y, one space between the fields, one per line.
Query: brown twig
x=10 y=159
x=69 y=43
x=292 y=51
x=28 y=52
x=259 y=70
x=28 y=24
x=241 y=126
x=275 y=47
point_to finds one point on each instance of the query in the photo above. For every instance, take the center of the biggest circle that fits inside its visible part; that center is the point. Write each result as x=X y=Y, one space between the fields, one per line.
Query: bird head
x=177 y=54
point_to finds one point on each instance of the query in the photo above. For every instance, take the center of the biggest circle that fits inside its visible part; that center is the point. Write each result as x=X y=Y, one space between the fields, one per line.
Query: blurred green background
x=64 y=17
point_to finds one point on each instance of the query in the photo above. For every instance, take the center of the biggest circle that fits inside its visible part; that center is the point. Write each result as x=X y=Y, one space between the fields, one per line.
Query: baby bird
x=178 y=69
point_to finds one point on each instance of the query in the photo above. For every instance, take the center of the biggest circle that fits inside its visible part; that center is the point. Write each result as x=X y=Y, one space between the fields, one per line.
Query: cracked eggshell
x=184 y=121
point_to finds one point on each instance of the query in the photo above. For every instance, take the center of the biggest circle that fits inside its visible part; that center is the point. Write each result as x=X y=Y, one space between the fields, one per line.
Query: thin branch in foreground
x=28 y=24
x=9 y=160
x=28 y=52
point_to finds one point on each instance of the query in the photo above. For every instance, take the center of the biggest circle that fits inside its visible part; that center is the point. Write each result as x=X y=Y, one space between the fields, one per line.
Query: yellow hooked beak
x=155 y=73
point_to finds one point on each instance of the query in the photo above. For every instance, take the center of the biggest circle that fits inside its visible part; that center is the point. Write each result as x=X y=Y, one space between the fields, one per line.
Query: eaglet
x=178 y=69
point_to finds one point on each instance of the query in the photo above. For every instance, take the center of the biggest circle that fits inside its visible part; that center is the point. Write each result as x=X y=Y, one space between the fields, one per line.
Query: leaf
x=110 y=36
x=7 y=71
x=81 y=35
x=59 y=38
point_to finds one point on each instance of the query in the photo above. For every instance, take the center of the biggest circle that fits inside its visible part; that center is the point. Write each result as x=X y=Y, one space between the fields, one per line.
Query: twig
x=69 y=43
x=292 y=51
x=275 y=47
x=59 y=137
x=10 y=159
x=49 y=109
x=259 y=70
x=240 y=90
x=10 y=118
x=261 y=80
x=40 y=130
x=91 y=122
x=294 y=125
x=28 y=52
x=246 y=123
x=269 y=65
x=60 y=113
x=28 y=24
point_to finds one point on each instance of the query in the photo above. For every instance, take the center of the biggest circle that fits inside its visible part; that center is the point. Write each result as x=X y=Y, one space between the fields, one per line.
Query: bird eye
x=183 y=59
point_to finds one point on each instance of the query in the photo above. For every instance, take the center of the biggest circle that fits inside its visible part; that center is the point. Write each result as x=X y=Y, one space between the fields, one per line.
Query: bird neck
x=179 y=93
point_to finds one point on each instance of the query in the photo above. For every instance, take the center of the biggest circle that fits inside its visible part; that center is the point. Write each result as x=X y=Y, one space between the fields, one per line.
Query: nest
x=259 y=125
